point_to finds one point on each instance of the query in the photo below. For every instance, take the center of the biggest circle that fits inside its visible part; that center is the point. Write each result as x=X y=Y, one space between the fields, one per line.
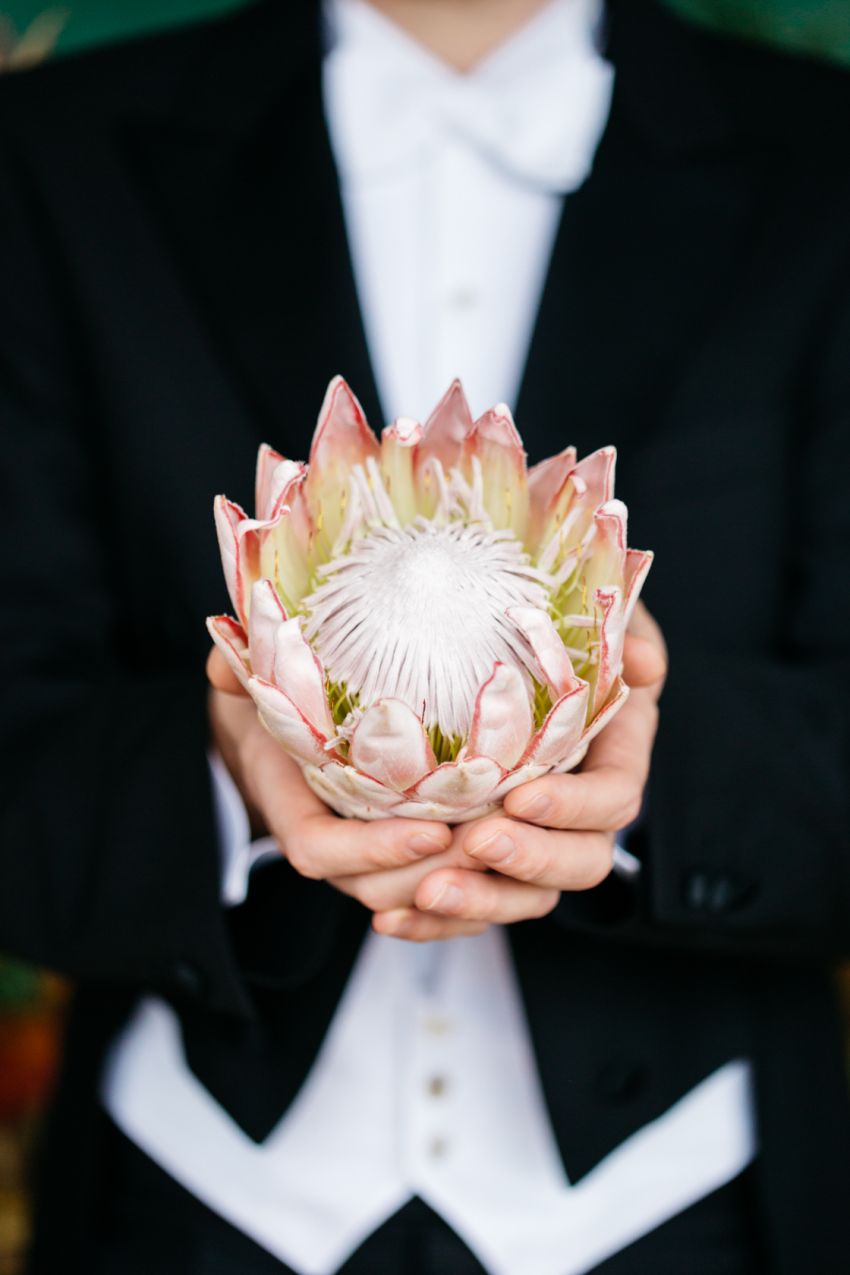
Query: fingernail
x=424 y=843
x=449 y=898
x=395 y=924
x=498 y=848
x=534 y=809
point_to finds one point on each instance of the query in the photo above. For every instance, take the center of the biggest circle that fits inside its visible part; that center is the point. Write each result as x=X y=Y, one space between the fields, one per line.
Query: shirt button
x=188 y=979
x=462 y=298
x=438 y=1148
x=436 y=1025
x=436 y=1086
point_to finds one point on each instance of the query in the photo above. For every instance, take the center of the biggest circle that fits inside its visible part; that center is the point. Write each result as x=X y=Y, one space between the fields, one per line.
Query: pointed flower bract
x=423 y=623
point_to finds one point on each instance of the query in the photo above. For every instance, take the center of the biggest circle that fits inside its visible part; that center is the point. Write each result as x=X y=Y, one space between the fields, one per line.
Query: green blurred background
x=817 y=27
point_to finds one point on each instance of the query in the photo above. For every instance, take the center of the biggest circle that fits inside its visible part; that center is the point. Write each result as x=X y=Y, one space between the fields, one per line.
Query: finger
x=221 y=675
x=603 y=799
x=324 y=846
x=541 y=856
x=423 y=927
x=626 y=742
x=472 y=896
x=606 y=794
x=645 y=651
x=316 y=842
x=385 y=891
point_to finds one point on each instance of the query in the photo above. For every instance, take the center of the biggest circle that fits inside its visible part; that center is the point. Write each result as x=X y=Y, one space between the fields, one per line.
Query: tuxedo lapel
x=647 y=252
x=240 y=178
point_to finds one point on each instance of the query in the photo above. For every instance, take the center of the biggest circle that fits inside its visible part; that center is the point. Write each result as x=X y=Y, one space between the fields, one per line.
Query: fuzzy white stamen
x=418 y=613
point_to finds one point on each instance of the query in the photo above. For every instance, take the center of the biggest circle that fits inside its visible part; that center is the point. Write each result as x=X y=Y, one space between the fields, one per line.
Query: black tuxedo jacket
x=176 y=287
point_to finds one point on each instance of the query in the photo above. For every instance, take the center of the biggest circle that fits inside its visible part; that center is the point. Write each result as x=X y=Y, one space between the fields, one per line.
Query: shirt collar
x=535 y=107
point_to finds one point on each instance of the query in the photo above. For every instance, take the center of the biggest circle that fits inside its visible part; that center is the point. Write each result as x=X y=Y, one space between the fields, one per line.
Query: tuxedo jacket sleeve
x=745 y=834
x=107 y=849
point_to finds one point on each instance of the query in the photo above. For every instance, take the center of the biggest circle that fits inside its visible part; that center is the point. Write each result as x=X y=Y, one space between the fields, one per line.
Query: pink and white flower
x=422 y=622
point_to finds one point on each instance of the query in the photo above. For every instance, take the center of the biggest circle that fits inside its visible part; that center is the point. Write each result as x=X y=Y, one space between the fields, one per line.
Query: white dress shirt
x=426 y=1083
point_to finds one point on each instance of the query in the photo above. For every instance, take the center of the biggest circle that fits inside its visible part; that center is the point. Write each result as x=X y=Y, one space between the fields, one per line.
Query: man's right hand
x=379 y=863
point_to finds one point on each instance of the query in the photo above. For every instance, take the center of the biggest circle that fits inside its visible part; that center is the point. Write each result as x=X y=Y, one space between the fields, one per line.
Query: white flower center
x=418 y=613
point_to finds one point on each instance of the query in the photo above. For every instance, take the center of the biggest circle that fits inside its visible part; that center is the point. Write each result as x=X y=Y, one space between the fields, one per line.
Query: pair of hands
x=424 y=880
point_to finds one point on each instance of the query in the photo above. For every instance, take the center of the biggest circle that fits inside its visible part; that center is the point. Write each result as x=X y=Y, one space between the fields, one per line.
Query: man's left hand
x=558 y=832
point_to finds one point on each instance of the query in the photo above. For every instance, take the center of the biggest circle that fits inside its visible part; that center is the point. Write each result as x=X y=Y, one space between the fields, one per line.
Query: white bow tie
x=535 y=108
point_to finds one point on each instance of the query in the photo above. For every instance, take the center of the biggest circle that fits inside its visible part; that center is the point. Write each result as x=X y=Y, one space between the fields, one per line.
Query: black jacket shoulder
x=761 y=93
x=146 y=75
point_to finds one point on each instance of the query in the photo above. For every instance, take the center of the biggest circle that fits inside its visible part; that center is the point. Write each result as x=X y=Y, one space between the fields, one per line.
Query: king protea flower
x=423 y=623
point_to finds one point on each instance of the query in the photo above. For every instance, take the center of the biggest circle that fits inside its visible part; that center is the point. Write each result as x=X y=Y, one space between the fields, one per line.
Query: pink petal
x=605 y=563
x=446 y=428
x=496 y=428
x=603 y=717
x=229 y=637
x=299 y=673
x=570 y=511
x=460 y=784
x=638 y=562
x=267 y=614
x=597 y=470
x=494 y=441
x=404 y=431
x=549 y=651
x=544 y=482
x=228 y=518
x=501 y=719
x=286 y=480
x=342 y=440
x=294 y=498
x=522 y=775
x=275 y=476
x=562 y=729
x=399 y=443
x=287 y=723
x=414 y=809
x=611 y=519
x=274 y=550
x=340 y=785
x=342 y=434
x=575 y=758
x=390 y=744
x=612 y=635
x=600 y=721
x=267 y=461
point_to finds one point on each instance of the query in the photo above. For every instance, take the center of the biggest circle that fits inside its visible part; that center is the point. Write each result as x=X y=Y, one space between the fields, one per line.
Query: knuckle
x=531 y=861
x=502 y=826
x=377 y=857
x=481 y=833
x=385 y=852
x=391 y=847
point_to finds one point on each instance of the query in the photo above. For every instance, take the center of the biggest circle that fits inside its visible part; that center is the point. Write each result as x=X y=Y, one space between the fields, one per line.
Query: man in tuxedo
x=634 y=231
